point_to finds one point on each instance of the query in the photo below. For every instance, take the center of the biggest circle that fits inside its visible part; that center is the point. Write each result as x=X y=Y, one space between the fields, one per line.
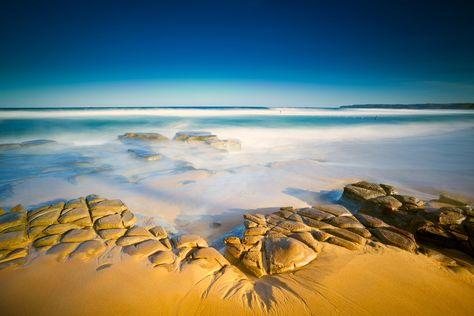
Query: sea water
x=289 y=156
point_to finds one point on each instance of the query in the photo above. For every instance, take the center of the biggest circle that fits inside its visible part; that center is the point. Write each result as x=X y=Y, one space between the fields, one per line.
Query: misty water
x=289 y=156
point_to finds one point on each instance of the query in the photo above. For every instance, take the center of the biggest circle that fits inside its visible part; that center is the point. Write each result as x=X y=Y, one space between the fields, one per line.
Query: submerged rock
x=37 y=142
x=145 y=154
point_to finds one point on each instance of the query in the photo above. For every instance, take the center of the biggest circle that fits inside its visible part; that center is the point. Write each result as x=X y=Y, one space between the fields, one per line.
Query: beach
x=197 y=171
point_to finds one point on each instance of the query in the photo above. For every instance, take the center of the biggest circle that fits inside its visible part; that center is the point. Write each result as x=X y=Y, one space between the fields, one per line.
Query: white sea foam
x=188 y=112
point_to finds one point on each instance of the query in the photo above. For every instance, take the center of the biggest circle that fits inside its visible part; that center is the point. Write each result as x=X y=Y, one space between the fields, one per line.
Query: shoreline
x=335 y=261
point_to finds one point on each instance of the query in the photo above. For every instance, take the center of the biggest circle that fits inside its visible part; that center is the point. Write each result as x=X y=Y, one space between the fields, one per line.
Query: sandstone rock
x=73 y=214
x=450 y=217
x=13 y=240
x=453 y=199
x=88 y=249
x=11 y=219
x=384 y=203
x=316 y=224
x=342 y=243
x=109 y=221
x=83 y=222
x=79 y=235
x=144 y=248
x=59 y=228
x=287 y=254
x=360 y=231
x=107 y=207
x=14 y=255
x=112 y=233
x=45 y=219
x=360 y=194
x=167 y=243
x=256 y=218
x=251 y=240
x=437 y=235
x=253 y=261
x=210 y=254
x=159 y=232
x=155 y=137
x=190 y=241
x=308 y=239
x=250 y=224
x=390 y=237
x=370 y=221
x=139 y=231
x=93 y=199
x=57 y=207
x=294 y=227
x=34 y=232
x=334 y=209
x=45 y=241
x=235 y=250
x=315 y=214
x=76 y=203
x=255 y=231
x=320 y=235
x=389 y=189
x=195 y=137
x=126 y=241
x=162 y=257
x=128 y=219
x=409 y=200
x=345 y=222
x=348 y=235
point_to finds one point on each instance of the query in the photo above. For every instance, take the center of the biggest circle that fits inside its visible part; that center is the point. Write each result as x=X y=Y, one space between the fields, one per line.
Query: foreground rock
x=209 y=139
x=291 y=238
x=87 y=228
x=281 y=242
x=446 y=222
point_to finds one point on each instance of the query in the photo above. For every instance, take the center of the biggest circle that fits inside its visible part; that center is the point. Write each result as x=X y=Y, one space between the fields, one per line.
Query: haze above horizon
x=255 y=53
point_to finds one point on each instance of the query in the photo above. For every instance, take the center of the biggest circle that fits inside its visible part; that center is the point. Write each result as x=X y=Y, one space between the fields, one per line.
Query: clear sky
x=235 y=52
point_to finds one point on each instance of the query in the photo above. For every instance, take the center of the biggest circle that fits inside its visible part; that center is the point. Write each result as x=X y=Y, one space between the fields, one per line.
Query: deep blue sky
x=70 y=53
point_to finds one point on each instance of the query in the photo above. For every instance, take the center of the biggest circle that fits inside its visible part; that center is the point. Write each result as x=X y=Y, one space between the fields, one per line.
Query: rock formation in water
x=209 y=139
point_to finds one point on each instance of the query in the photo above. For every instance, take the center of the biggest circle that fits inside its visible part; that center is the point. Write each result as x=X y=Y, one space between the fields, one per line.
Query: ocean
x=289 y=156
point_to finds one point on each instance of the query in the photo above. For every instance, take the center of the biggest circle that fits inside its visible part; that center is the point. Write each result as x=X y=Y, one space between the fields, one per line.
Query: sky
x=235 y=52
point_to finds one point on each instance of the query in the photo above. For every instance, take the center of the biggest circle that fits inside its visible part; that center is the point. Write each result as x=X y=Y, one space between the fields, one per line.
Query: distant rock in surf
x=152 y=137
x=209 y=139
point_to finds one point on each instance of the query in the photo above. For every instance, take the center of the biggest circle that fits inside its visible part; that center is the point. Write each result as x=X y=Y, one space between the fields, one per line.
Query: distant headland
x=420 y=106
